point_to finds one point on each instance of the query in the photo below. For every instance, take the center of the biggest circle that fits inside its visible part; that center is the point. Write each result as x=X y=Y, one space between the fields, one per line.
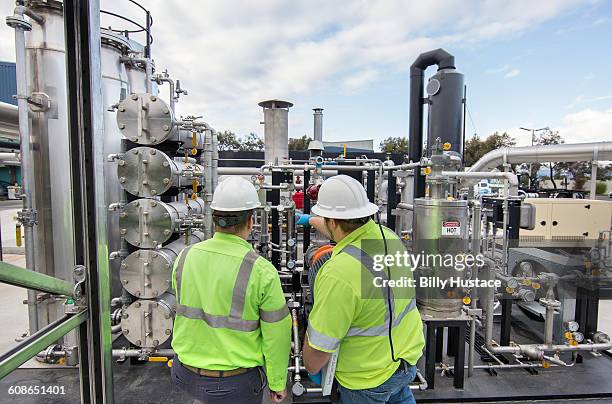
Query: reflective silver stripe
x=322 y=340
x=367 y=261
x=242 y=281
x=179 y=272
x=383 y=329
x=234 y=321
x=274 y=315
x=215 y=321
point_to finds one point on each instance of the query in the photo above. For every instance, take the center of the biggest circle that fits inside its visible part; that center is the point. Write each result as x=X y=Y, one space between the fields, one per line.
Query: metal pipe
x=208 y=191
x=593 y=193
x=296 y=345
x=510 y=177
x=27 y=215
x=475 y=205
x=407 y=166
x=318 y=124
x=148 y=64
x=133 y=353
x=543 y=154
x=548 y=324
x=9 y=120
x=161 y=78
x=406 y=206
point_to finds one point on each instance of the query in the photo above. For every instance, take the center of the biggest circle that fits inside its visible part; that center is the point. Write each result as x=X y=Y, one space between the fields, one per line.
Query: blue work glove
x=316 y=378
x=302 y=219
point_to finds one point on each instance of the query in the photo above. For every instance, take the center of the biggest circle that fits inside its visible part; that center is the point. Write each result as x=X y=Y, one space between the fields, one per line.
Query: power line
x=471 y=120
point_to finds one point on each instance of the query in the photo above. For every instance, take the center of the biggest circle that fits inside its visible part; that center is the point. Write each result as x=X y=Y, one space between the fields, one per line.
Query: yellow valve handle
x=427 y=170
x=568 y=335
x=194 y=151
x=526 y=282
x=467 y=300
x=509 y=290
x=194 y=197
x=194 y=140
x=170 y=363
x=18 y=235
x=545 y=364
x=535 y=285
x=573 y=342
x=446 y=146
x=158 y=359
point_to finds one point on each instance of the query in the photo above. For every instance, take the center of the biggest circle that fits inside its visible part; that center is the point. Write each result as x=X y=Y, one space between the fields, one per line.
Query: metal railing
x=31 y=346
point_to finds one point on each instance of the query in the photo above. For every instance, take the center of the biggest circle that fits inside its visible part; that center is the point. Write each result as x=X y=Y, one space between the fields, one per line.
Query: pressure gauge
x=513 y=283
x=578 y=336
x=572 y=326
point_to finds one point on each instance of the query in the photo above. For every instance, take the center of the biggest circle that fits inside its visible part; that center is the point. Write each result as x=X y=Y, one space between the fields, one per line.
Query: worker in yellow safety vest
x=376 y=330
x=231 y=314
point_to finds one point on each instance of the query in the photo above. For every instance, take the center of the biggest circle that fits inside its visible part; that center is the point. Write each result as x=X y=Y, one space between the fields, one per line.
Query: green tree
x=475 y=147
x=251 y=142
x=394 y=145
x=229 y=141
x=300 y=143
x=548 y=137
x=601 y=188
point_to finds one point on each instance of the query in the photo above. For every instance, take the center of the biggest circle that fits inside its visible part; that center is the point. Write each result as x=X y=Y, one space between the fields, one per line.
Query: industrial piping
x=9 y=120
x=444 y=60
x=27 y=216
x=543 y=154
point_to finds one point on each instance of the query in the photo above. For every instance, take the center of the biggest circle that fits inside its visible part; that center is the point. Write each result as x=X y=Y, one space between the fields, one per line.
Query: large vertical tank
x=46 y=67
x=445 y=91
x=115 y=88
x=440 y=229
x=276 y=129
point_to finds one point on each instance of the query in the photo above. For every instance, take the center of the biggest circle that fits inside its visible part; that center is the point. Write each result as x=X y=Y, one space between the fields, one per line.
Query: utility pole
x=533 y=132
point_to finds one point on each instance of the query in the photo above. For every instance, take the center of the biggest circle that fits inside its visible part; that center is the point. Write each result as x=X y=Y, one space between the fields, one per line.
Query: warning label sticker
x=451 y=228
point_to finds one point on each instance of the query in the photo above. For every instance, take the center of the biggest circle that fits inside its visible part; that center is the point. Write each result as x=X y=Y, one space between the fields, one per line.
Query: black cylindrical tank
x=445 y=91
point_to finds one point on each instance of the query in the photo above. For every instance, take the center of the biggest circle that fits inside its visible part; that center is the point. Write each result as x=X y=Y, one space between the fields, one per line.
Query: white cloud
x=588 y=125
x=581 y=99
x=360 y=79
x=230 y=55
x=512 y=73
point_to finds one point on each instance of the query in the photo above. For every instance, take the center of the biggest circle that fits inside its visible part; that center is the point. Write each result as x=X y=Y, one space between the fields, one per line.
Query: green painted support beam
x=46 y=336
x=17 y=276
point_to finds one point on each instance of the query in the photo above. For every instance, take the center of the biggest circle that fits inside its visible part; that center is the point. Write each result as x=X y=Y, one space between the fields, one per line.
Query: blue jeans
x=394 y=391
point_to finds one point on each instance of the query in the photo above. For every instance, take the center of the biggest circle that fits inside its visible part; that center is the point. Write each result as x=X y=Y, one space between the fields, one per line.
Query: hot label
x=451 y=228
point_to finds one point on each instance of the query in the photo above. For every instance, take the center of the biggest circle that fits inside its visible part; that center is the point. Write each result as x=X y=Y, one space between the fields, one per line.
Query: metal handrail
x=24 y=278
x=46 y=336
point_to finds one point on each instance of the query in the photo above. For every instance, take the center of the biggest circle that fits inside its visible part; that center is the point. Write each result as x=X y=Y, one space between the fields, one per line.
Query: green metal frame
x=46 y=336
x=17 y=276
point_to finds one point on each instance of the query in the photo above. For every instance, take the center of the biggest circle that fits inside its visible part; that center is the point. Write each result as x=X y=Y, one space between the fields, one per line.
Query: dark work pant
x=245 y=388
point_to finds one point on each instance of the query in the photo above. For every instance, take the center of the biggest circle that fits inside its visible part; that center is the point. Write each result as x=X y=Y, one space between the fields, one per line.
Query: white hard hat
x=343 y=197
x=235 y=194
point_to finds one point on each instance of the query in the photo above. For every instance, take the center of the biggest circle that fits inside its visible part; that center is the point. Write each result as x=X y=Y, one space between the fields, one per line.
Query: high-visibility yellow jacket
x=352 y=314
x=231 y=311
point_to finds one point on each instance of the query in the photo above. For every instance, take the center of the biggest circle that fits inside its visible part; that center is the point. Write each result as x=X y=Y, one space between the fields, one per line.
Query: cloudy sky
x=527 y=63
